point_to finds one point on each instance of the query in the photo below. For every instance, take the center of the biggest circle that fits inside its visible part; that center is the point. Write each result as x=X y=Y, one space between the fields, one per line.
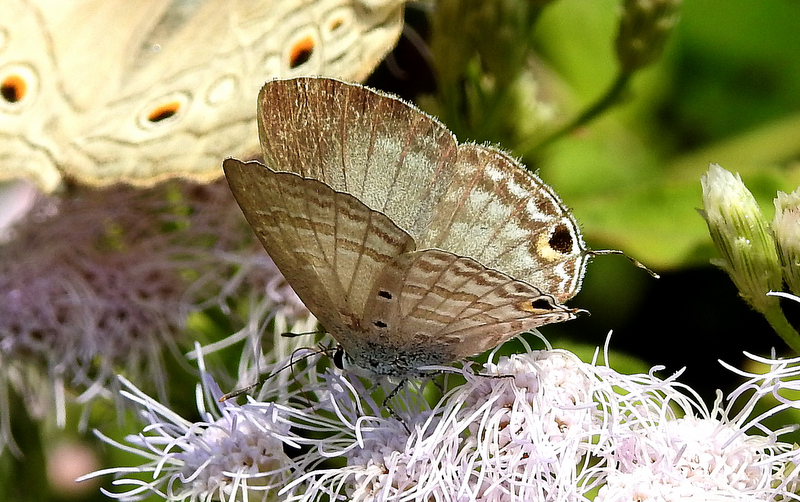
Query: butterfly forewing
x=470 y=200
x=326 y=243
x=390 y=156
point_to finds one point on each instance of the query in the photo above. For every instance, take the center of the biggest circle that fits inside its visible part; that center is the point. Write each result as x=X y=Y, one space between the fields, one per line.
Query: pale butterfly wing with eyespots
x=364 y=206
x=103 y=91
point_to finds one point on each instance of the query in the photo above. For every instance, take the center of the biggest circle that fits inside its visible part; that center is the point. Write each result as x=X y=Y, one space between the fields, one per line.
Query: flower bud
x=742 y=236
x=643 y=31
x=786 y=230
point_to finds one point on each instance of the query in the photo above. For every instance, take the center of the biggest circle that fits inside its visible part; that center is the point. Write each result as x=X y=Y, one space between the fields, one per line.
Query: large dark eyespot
x=301 y=51
x=561 y=239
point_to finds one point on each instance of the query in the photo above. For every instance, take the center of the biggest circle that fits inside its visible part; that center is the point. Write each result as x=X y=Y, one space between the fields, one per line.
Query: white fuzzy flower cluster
x=541 y=425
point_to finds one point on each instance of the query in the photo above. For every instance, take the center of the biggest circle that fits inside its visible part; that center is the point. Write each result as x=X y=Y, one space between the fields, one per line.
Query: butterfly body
x=410 y=249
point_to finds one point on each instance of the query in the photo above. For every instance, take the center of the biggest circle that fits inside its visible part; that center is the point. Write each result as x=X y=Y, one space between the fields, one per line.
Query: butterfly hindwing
x=451 y=306
x=327 y=244
x=515 y=222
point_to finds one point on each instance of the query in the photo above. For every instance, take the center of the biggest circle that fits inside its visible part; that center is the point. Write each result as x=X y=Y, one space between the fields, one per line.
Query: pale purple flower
x=536 y=426
x=105 y=280
x=236 y=452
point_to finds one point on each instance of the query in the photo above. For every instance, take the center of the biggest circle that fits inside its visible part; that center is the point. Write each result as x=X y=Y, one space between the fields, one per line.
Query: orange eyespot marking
x=13 y=88
x=336 y=23
x=163 y=112
x=301 y=52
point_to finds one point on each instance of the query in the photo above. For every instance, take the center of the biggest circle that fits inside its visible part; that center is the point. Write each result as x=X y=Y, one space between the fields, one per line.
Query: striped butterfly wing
x=389 y=155
x=508 y=219
x=393 y=309
x=329 y=246
x=433 y=307
x=169 y=93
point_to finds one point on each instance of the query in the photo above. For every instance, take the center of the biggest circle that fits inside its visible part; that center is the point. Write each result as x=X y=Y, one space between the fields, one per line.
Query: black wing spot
x=385 y=294
x=338 y=358
x=542 y=303
x=380 y=324
x=561 y=240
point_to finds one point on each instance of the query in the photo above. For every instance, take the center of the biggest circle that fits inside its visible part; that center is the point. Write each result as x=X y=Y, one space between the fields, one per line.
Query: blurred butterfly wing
x=328 y=245
x=196 y=89
x=387 y=154
x=142 y=90
x=33 y=104
x=509 y=220
x=436 y=307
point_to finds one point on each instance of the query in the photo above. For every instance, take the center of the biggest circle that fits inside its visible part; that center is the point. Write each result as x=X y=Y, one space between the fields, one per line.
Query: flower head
x=104 y=280
x=541 y=425
x=742 y=236
x=745 y=241
x=236 y=452
x=786 y=230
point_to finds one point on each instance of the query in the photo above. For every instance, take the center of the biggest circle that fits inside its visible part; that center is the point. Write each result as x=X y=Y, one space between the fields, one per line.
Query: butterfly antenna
x=632 y=260
x=290 y=364
x=292 y=335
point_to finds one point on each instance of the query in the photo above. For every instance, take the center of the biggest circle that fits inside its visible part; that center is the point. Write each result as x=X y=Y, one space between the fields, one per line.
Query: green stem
x=611 y=97
x=781 y=326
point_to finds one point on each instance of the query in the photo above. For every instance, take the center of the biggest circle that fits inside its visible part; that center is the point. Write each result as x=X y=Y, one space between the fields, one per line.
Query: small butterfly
x=410 y=249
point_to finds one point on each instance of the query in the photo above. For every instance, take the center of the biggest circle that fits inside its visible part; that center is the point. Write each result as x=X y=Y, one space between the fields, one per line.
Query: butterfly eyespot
x=385 y=294
x=301 y=52
x=164 y=110
x=380 y=324
x=222 y=90
x=561 y=239
x=17 y=86
x=13 y=89
x=542 y=304
x=335 y=24
x=338 y=23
